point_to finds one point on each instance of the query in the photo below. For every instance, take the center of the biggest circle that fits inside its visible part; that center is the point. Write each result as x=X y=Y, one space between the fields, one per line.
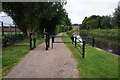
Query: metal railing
x=32 y=38
x=92 y=40
x=72 y=38
x=80 y=46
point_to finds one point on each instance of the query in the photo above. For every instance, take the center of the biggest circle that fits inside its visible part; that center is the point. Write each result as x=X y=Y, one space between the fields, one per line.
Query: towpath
x=39 y=63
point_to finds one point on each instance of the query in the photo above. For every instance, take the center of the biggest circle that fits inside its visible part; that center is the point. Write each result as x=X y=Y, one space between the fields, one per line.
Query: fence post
x=52 y=41
x=48 y=41
x=2 y=28
x=72 y=38
x=75 y=42
x=72 y=41
x=93 y=42
x=30 y=41
x=83 y=49
x=34 y=42
x=15 y=30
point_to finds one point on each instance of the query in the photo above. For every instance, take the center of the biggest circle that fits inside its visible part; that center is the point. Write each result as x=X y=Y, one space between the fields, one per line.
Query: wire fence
x=10 y=34
x=7 y=28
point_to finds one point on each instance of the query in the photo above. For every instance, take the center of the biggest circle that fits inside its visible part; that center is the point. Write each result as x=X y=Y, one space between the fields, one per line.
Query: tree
x=106 y=22
x=66 y=21
x=92 y=22
x=116 y=17
x=35 y=16
x=83 y=26
x=50 y=22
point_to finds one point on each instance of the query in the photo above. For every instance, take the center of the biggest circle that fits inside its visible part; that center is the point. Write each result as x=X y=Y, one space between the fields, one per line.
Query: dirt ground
x=54 y=63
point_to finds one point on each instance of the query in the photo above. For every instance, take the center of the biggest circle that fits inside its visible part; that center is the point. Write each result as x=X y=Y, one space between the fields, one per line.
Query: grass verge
x=96 y=64
x=13 y=54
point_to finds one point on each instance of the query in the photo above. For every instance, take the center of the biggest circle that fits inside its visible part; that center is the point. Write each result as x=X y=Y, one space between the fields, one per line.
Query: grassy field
x=13 y=54
x=96 y=64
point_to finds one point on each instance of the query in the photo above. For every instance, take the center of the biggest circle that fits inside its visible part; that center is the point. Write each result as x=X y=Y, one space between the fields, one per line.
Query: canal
x=107 y=44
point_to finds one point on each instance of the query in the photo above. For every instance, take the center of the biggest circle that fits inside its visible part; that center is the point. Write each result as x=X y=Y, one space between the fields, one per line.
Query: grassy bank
x=107 y=40
x=13 y=54
x=96 y=64
x=107 y=33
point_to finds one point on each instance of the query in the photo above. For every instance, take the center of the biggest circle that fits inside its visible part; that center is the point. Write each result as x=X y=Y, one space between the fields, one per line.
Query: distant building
x=8 y=23
x=75 y=27
x=10 y=29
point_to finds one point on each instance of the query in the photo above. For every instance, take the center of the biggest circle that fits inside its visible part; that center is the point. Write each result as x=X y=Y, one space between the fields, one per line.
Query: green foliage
x=105 y=33
x=106 y=22
x=110 y=34
x=116 y=18
x=67 y=21
x=91 y=22
x=4 y=41
x=37 y=16
x=62 y=28
x=11 y=38
x=96 y=64
x=75 y=24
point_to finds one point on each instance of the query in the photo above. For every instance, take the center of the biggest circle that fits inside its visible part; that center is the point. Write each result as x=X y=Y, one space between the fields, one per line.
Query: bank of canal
x=104 y=39
x=96 y=64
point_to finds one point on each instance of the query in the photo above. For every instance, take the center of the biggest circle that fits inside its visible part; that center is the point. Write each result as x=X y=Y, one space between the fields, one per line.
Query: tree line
x=102 y=22
x=37 y=16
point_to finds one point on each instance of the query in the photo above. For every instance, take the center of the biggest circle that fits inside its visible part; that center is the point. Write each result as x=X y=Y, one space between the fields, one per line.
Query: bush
x=4 y=41
x=62 y=28
x=8 y=39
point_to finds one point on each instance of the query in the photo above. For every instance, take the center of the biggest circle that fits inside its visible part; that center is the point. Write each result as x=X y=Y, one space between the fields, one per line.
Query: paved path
x=39 y=63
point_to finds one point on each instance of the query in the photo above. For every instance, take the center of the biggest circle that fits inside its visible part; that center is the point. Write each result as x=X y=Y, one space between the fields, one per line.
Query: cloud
x=78 y=9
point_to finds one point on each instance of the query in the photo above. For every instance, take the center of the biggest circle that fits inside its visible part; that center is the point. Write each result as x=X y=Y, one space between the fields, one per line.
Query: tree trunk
x=28 y=30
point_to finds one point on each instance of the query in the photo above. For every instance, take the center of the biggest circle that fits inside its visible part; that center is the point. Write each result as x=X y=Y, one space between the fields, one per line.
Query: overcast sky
x=78 y=9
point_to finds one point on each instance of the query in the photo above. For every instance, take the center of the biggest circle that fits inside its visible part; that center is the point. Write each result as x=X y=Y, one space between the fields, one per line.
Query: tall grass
x=106 y=33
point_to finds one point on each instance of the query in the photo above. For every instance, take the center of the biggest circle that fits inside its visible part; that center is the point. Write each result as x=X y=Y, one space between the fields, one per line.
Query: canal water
x=109 y=45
